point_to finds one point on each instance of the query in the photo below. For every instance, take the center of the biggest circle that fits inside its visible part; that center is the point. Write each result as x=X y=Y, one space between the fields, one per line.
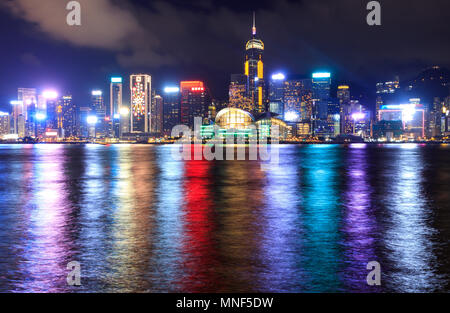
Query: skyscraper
x=276 y=94
x=26 y=98
x=116 y=93
x=194 y=102
x=51 y=105
x=345 y=112
x=387 y=93
x=99 y=108
x=69 y=115
x=156 y=114
x=297 y=100
x=254 y=70
x=171 y=99
x=238 y=93
x=4 y=123
x=321 y=95
x=140 y=87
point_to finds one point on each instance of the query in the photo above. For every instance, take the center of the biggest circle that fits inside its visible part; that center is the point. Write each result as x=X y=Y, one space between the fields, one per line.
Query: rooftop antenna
x=254 y=24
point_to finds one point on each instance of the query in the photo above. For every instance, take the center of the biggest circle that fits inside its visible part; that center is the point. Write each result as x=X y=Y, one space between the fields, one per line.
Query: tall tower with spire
x=254 y=70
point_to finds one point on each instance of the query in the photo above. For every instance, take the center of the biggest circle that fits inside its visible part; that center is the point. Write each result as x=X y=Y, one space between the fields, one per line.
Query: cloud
x=30 y=59
x=299 y=34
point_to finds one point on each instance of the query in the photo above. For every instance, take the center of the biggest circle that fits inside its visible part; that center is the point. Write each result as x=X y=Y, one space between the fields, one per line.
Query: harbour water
x=139 y=221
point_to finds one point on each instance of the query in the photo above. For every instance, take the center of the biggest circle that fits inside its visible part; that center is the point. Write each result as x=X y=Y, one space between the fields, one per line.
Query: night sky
x=177 y=40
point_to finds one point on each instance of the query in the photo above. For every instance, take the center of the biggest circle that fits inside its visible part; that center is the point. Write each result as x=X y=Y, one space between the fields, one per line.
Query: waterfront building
x=321 y=94
x=387 y=93
x=194 y=102
x=156 y=114
x=115 y=105
x=4 y=124
x=254 y=70
x=238 y=93
x=140 y=87
x=171 y=109
x=276 y=94
x=411 y=115
x=51 y=107
x=345 y=111
x=99 y=109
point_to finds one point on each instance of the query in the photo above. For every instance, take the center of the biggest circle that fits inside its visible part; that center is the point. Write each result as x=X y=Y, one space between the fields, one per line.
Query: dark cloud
x=30 y=59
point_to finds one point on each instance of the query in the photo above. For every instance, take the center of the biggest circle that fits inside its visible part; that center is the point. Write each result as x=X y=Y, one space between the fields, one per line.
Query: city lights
x=92 y=120
x=97 y=92
x=16 y=102
x=321 y=75
x=291 y=116
x=40 y=116
x=3 y=113
x=278 y=76
x=50 y=94
x=124 y=111
x=358 y=116
x=116 y=79
x=172 y=89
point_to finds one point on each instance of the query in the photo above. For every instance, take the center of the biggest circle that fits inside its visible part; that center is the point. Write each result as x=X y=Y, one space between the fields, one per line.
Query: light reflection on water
x=138 y=221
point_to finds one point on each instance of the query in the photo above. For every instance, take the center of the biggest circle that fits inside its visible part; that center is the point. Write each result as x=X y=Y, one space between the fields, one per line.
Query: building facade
x=140 y=88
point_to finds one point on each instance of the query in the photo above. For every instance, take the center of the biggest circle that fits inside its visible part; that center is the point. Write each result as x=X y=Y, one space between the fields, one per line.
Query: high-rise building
x=4 y=123
x=83 y=126
x=276 y=94
x=254 y=70
x=51 y=105
x=387 y=93
x=116 y=93
x=194 y=102
x=99 y=109
x=345 y=112
x=171 y=111
x=297 y=100
x=69 y=116
x=156 y=114
x=26 y=98
x=321 y=95
x=238 y=93
x=141 y=88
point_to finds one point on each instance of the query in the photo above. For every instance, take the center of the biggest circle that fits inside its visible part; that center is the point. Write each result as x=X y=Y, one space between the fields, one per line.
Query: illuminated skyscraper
x=238 y=93
x=171 y=99
x=116 y=93
x=276 y=94
x=387 y=93
x=297 y=100
x=345 y=111
x=26 y=98
x=51 y=105
x=141 y=88
x=321 y=95
x=254 y=70
x=4 y=124
x=69 y=115
x=195 y=101
x=99 y=109
x=156 y=114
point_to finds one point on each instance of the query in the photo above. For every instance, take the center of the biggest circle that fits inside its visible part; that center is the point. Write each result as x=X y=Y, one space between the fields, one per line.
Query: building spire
x=254 y=24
